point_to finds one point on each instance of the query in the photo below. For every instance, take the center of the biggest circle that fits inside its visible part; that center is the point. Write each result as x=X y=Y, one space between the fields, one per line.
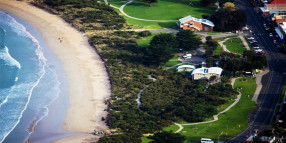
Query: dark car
x=255 y=44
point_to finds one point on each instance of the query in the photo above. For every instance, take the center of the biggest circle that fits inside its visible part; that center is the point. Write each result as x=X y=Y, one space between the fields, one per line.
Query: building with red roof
x=277 y=1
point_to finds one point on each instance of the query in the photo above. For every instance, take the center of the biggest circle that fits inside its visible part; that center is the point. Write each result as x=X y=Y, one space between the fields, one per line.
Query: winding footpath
x=223 y=46
x=130 y=1
x=215 y=116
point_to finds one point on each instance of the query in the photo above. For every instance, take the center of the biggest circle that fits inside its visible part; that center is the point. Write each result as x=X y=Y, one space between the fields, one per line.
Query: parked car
x=187 y=56
x=206 y=140
x=250 y=38
x=274 y=41
x=245 y=28
x=261 y=53
x=270 y=34
x=255 y=44
x=256 y=47
x=252 y=41
x=258 y=50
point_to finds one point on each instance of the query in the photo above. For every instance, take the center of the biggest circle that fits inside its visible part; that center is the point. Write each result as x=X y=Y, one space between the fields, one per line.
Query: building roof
x=186 y=66
x=277 y=2
x=204 y=21
x=275 y=6
x=213 y=70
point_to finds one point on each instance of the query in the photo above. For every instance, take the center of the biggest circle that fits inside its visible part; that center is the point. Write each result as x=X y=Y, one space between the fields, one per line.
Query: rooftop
x=204 y=21
x=277 y=1
x=214 y=70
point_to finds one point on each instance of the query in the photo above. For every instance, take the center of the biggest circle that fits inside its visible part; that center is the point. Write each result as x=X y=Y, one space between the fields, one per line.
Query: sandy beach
x=88 y=82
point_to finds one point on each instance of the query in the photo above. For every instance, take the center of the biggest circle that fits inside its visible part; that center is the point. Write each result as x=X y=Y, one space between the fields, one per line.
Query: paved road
x=271 y=82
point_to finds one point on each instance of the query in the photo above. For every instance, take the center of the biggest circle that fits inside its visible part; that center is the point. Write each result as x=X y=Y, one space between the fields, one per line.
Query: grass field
x=163 y=10
x=138 y=24
x=235 y=45
x=173 y=61
x=145 y=41
x=230 y=123
x=218 y=50
x=167 y=9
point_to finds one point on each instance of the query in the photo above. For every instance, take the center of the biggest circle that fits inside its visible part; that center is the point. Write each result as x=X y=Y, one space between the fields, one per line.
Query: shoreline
x=88 y=81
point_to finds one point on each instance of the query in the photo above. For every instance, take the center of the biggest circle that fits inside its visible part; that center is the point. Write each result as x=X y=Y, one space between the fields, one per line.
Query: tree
x=161 y=49
x=208 y=2
x=229 y=5
x=167 y=137
x=150 y=1
x=188 y=40
x=226 y=19
x=221 y=2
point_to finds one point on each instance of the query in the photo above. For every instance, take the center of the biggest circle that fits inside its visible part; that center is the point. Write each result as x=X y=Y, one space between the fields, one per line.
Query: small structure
x=195 y=24
x=185 y=68
x=206 y=73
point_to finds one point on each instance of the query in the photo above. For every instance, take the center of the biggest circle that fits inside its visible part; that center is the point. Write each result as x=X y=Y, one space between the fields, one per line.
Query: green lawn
x=235 y=45
x=173 y=61
x=163 y=10
x=221 y=39
x=145 y=140
x=218 y=50
x=138 y=24
x=167 y=9
x=145 y=41
x=230 y=123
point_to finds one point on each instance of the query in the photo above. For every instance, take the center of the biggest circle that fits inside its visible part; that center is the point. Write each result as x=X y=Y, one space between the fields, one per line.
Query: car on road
x=255 y=44
x=270 y=34
x=245 y=28
x=250 y=38
x=206 y=140
x=258 y=50
x=261 y=53
x=187 y=56
x=275 y=42
x=252 y=41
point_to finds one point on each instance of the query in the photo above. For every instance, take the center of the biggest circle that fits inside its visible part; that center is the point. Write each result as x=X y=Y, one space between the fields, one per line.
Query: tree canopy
x=161 y=49
x=208 y=2
x=167 y=137
x=188 y=40
x=227 y=19
x=229 y=5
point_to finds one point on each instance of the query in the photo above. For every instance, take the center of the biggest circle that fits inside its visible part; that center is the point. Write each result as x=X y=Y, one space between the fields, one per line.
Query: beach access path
x=88 y=81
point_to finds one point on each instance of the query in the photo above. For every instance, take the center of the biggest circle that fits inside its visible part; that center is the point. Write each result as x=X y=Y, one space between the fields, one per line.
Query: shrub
x=145 y=33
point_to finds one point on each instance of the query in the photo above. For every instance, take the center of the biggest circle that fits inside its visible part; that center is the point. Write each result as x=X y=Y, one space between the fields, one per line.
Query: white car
x=258 y=50
x=245 y=28
x=187 y=56
x=274 y=41
x=206 y=140
x=270 y=34
x=256 y=47
x=250 y=38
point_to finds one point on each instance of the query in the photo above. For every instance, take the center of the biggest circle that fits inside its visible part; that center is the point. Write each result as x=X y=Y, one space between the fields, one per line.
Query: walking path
x=223 y=46
x=244 y=42
x=130 y=1
x=215 y=116
x=259 y=84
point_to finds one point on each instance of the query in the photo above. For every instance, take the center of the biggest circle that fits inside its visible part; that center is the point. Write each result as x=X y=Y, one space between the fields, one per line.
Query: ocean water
x=29 y=81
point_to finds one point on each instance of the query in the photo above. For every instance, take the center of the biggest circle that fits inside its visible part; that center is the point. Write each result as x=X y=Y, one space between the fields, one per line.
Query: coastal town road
x=271 y=83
